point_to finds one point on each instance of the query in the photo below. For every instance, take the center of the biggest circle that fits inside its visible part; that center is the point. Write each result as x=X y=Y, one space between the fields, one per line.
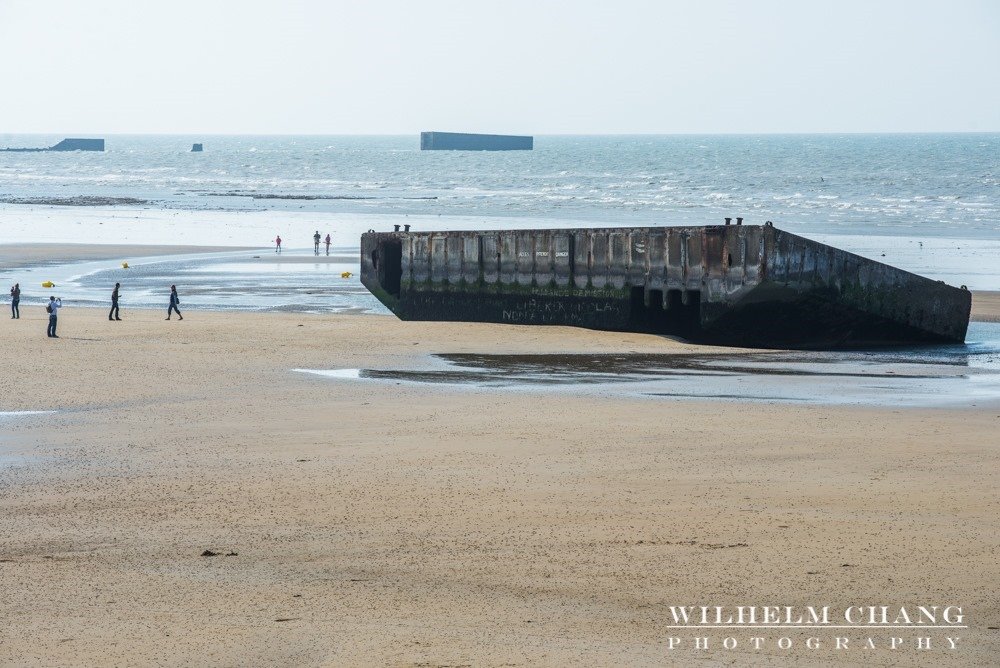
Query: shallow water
x=295 y=281
x=952 y=375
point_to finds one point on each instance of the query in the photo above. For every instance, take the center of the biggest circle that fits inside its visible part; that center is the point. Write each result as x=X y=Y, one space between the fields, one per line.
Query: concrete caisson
x=746 y=285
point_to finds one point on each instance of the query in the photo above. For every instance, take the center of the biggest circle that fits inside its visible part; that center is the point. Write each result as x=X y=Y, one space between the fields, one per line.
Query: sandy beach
x=377 y=523
x=796 y=464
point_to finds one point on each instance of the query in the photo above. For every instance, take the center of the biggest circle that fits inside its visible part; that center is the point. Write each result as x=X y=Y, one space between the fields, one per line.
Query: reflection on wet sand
x=934 y=375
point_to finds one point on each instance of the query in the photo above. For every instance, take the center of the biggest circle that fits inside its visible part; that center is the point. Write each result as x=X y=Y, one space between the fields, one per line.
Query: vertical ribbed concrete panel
x=508 y=258
x=599 y=251
x=453 y=251
x=543 y=258
x=618 y=262
x=676 y=274
x=712 y=283
x=692 y=261
x=582 y=259
x=638 y=262
x=471 y=260
x=733 y=260
x=491 y=258
x=525 y=257
x=562 y=258
x=439 y=258
x=421 y=262
x=407 y=259
x=656 y=248
x=752 y=260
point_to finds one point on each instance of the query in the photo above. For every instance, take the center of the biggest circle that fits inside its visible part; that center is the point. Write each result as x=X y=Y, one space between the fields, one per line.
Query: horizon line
x=542 y=134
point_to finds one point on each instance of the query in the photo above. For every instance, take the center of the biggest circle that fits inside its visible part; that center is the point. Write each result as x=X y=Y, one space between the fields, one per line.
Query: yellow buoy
x=346 y=274
x=48 y=284
x=124 y=265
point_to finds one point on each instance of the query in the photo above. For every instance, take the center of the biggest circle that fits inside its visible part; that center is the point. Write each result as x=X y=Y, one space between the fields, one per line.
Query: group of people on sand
x=55 y=303
x=317 y=238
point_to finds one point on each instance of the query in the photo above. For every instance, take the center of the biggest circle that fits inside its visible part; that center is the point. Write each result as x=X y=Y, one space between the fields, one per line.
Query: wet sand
x=383 y=524
x=14 y=256
x=308 y=258
x=986 y=306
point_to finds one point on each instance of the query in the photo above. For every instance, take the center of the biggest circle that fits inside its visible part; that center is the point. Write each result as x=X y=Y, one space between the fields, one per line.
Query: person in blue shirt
x=53 y=308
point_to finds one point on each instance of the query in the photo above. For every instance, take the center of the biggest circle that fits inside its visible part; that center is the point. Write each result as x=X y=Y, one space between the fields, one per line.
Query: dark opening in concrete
x=391 y=268
x=647 y=312
x=637 y=301
x=687 y=318
x=655 y=299
x=674 y=300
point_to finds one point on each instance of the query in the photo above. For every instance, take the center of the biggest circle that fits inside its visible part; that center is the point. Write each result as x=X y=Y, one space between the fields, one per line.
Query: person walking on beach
x=15 y=300
x=328 y=244
x=316 y=239
x=114 y=303
x=174 y=301
x=53 y=310
x=277 y=244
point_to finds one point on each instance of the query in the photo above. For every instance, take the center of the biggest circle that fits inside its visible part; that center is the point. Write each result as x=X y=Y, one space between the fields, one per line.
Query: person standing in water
x=15 y=301
x=53 y=309
x=114 y=303
x=328 y=244
x=277 y=244
x=316 y=239
x=174 y=301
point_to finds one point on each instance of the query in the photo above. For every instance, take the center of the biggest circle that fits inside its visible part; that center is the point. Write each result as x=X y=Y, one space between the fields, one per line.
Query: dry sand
x=382 y=524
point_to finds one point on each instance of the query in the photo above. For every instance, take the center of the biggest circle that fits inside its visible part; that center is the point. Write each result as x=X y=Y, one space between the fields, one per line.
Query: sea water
x=929 y=184
x=926 y=203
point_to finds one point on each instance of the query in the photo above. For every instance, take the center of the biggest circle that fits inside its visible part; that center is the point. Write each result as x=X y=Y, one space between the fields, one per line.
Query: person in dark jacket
x=174 y=301
x=114 y=303
x=15 y=300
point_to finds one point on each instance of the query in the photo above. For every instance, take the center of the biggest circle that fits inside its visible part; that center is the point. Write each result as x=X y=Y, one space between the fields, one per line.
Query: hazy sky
x=539 y=67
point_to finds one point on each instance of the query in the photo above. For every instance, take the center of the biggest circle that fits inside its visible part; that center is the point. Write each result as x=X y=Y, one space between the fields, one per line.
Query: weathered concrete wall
x=461 y=141
x=588 y=259
x=868 y=286
x=741 y=284
x=77 y=144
